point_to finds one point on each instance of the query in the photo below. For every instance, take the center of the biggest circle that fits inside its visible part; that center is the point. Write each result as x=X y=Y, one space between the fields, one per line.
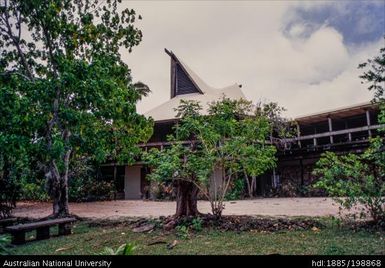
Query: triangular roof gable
x=181 y=79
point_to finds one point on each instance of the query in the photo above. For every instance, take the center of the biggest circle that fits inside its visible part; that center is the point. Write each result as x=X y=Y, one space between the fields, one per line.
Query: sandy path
x=137 y=208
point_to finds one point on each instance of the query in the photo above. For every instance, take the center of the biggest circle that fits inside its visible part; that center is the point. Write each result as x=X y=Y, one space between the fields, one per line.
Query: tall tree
x=209 y=151
x=280 y=129
x=15 y=136
x=64 y=58
x=181 y=163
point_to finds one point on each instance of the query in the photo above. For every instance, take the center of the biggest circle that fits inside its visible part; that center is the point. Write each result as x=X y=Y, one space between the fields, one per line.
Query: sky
x=301 y=54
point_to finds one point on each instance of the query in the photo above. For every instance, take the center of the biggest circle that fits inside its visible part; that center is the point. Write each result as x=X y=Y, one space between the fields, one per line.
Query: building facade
x=343 y=130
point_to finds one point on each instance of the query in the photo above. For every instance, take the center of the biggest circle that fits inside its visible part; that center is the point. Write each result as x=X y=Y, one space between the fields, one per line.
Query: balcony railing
x=283 y=142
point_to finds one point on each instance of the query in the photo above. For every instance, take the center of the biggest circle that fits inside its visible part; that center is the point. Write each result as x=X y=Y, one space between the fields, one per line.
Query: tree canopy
x=231 y=139
x=62 y=69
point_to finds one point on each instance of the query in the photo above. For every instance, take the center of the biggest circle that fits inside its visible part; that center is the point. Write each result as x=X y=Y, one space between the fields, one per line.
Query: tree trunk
x=251 y=185
x=254 y=185
x=59 y=192
x=60 y=200
x=249 y=193
x=186 y=199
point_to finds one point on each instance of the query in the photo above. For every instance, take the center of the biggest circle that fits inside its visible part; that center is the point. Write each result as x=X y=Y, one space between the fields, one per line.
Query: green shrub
x=161 y=190
x=125 y=249
x=4 y=241
x=34 y=191
x=9 y=194
x=90 y=190
x=84 y=183
x=196 y=224
x=182 y=231
x=102 y=190
x=237 y=190
x=356 y=180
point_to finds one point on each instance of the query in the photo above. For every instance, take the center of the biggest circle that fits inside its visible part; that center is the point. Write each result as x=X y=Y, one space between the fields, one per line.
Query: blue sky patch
x=358 y=21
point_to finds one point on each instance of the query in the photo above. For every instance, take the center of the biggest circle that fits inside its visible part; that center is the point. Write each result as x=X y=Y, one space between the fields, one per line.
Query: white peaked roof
x=166 y=111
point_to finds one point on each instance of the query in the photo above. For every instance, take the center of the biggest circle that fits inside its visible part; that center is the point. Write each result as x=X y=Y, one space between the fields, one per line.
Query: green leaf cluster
x=355 y=179
x=65 y=91
x=231 y=136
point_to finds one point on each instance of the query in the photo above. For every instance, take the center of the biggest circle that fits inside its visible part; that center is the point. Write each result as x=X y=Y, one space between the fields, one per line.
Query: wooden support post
x=330 y=129
x=349 y=134
x=298 y=135
x=18 y=238
x=315 y=138
x=302 y=173
x=368 y=122
x=64 y=229
x=42 y=233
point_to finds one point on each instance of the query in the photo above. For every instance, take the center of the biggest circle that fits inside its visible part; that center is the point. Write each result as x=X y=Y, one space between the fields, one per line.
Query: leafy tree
x=355 y=179
x=374 y=74
x=360 y=178
x=280 y=129
x=180 y=163
x=63 y=59
x=15 y=136
x=231 y=137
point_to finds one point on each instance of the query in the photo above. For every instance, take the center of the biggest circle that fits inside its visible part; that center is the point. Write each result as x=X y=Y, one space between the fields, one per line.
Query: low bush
x=34 y=191
x=81 y=190
x=182 y=231
x=356 y=180
x=197 y=224
x=4 y=241
x=161 y=190
x=237 y=190
x=9 y=194
x=125 y=249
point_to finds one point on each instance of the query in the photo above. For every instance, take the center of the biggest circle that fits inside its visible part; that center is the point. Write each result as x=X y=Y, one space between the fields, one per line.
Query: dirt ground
x=318 y=206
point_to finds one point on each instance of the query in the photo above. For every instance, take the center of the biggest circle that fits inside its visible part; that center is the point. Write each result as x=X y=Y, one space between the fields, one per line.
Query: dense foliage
x=124 y=249
x=228 y=141
x=4 y=241
x=360 y=178
x=9 y=194
x=356 y=179
x=15 y=145
x=65 y=90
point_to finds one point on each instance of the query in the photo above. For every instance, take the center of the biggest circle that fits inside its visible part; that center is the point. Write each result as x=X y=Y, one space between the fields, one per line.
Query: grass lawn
x=329 y=240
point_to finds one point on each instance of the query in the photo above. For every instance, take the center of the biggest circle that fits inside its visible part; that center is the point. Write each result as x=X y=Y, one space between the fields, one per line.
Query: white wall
x=132 y=182
x=216 y=181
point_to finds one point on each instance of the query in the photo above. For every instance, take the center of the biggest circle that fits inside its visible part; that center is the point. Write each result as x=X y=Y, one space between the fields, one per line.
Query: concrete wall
x=132 y=182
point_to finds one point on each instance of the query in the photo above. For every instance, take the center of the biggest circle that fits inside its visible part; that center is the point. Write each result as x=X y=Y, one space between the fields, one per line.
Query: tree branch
x=16 y=41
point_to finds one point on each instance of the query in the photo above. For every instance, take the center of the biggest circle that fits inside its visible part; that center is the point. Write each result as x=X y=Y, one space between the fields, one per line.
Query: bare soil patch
x=312 y=207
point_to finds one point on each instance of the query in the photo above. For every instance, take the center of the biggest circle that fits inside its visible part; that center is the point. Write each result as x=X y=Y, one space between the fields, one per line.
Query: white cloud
x=325 y=54
x=227 y=42
x=297 y=30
